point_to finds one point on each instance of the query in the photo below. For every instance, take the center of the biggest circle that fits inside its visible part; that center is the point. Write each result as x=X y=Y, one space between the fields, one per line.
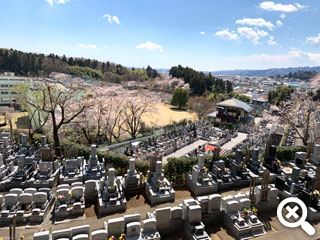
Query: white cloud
x=251 y=34
x=89 y=46
x=226 y=34
x=271 y=41
x=313 y=40
x=111 y=19
x=203 y=33
x=271 y=6
x=301 y=6
x=293 y=58
x=115 y=19
x=105 y=47
x=61 y=1
x=283 y=16
x=150 y=46
x=52 y=2
x=259 y=22
x=279 y=23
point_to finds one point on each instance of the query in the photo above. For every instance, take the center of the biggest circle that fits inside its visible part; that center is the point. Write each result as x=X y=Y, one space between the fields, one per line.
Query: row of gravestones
x=211 y=209
x=28 y=206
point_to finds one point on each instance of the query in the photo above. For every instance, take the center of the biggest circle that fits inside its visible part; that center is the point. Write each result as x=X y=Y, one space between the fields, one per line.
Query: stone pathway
x=183 y=151
x=234 y=141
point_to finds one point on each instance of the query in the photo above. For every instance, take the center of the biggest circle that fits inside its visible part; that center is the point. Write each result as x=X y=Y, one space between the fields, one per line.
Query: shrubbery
x=118 y=161
x=176 y=168
x=286 y=154
x=86 y=72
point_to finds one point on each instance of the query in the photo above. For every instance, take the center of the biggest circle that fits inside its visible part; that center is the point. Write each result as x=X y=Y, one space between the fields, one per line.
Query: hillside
x=33 y=64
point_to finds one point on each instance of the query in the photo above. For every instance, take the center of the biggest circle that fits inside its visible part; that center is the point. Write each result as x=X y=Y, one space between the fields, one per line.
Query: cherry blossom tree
x=61 y=102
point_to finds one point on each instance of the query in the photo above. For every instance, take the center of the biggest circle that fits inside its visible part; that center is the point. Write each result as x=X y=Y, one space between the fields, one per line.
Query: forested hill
x=266 y=72
x=33 y=64
x=201 y=83
x=302 y=75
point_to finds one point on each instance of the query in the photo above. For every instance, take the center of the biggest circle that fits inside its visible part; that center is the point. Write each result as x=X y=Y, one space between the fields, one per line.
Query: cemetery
x=94 y=170
x=200 y=181
x=28 y=206
x=157 y=188
x=48 y=169
x=111 y=197
x=304 y=181
x=132 y=180
x=71 y=170
x=69 y=201
x=37 y=186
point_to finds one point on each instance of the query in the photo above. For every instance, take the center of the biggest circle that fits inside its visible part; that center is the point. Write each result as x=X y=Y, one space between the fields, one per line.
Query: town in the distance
x=96 y=144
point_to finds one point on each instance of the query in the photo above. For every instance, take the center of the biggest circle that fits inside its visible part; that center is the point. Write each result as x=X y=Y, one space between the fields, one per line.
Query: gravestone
x=295 y=174
x=40 y=197
x=26 y=198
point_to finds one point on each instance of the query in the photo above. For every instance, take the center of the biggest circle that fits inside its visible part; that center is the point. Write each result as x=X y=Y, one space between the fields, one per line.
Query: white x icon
x=292 y=212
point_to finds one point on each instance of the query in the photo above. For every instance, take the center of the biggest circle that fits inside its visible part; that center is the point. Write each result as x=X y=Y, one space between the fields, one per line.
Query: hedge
x=118 y=161
x=176 y=168
x=286 y=154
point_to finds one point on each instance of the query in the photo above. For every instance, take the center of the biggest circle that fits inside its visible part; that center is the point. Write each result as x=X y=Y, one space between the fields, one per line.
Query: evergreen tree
x=179 y=97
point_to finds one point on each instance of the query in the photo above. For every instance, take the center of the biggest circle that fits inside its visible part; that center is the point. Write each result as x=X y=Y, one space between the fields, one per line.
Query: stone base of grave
x=133 y=191
x=75 y=233
x=48 y=183
x=200 y=190
x=6 y=221
x=68 y=180
x=156 y=198
x=105 y=208
x=93 y=176
x=190 y=235
x=70 y=212
x=38 y=218
x=11 y=183
x=224 y=185
x=2 y=186
x=22 y=218
x=240 y=233
x=79 y=211
x=257 y=230
x=272 y=177
x=172 y=227
x=99 y=235
x=313 y=215
x=91 y=192
x=285 y=194
x=215 y=217
x=150 y=235
x=268 y=206
x=237 y=183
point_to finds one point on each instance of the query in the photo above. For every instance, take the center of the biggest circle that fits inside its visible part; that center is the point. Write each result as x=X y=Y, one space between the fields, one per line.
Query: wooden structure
x=265 y=185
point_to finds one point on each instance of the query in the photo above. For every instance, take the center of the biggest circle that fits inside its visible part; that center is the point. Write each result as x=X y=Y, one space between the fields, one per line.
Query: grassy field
x=165 y=114
x=19 y=121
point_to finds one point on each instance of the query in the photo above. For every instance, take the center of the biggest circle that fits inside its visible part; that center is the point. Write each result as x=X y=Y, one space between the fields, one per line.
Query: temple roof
x=235 y=103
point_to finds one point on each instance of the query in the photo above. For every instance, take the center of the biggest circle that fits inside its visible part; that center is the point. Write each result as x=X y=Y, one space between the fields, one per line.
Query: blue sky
x=203 y=34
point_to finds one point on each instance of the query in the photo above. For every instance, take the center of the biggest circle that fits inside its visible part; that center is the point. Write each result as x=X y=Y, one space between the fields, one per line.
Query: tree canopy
x=180 y=97
x=34 y=64
x=280 y=94
x=201 y=83
x=302 y=75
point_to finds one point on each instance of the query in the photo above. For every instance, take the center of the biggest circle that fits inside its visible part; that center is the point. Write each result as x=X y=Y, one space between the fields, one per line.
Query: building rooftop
x=235 y=103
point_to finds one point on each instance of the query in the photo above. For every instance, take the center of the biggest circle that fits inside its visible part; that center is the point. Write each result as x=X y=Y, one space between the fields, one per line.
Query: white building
x=7 y=82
